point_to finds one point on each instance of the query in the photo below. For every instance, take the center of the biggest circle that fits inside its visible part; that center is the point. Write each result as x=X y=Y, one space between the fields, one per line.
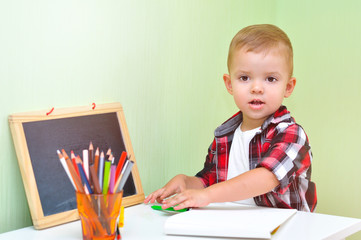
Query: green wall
x=164 y=61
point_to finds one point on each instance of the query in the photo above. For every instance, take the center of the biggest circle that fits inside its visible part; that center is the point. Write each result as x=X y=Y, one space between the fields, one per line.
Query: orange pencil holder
x=99 y=214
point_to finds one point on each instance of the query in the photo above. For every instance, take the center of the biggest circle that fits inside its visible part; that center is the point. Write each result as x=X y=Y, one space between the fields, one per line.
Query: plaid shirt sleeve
x=207 y=174
x=287 y=155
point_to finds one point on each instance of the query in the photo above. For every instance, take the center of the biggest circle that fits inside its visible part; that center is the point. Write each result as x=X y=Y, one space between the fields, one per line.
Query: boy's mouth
x=256 y=103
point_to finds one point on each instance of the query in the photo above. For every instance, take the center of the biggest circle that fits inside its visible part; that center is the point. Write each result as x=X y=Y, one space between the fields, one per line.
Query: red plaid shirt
x=282 y=147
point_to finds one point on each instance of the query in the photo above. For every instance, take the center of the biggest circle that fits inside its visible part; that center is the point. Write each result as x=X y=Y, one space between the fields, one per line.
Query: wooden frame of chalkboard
x=38 y=135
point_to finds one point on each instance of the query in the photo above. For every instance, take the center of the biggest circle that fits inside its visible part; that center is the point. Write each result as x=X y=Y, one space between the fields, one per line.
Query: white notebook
x=228 y=220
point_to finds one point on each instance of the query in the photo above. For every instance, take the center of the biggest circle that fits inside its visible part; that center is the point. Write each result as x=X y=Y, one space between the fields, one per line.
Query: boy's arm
x=177 y=184
x=249 y=184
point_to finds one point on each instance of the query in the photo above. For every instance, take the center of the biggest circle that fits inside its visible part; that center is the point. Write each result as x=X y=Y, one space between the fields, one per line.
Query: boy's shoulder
x=282 y=115
x=230 y=125
x=285 y=129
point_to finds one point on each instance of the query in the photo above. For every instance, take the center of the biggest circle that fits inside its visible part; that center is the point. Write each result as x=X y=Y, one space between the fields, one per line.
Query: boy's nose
x=257 y=87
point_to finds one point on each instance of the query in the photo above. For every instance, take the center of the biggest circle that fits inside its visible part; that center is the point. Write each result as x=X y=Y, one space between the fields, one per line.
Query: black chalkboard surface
x=38 y=136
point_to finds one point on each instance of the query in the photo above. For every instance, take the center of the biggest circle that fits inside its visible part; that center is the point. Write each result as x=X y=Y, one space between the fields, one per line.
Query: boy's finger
x=152 y=197
x=146 y=200
x=156 y=195
x=159 y=200
x=166 y=193
x=179 y=198
x=149 y=198
x=182 y=205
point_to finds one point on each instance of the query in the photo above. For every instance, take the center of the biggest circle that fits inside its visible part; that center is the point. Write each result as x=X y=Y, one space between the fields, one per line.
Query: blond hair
x=261 y=38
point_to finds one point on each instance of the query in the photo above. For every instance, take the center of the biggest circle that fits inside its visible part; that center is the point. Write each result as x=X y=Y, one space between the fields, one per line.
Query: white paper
x=228 y=220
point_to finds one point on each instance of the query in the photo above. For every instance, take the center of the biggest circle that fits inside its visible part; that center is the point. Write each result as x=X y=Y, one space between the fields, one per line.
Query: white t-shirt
x=239 y=156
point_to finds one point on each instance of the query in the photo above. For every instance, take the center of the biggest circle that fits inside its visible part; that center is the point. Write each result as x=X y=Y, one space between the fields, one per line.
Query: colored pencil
x=108 y=152
x=86 y=162
x=94 y=179
x=117 y=182
x=101 y=170
x=125 y=176
x=112 y=178
x=83 y=175
x=107 y=165
x=73 y=160
x=96 y=160
x=90 y=152
x=90 y=158
x=63 y=163
x=118 y=234
x=77 y=181
x=121 y=217
x=122 y=158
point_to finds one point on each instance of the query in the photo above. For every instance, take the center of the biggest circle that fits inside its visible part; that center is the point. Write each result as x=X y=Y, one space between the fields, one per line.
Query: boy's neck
x=247 y=128
x=251 y=124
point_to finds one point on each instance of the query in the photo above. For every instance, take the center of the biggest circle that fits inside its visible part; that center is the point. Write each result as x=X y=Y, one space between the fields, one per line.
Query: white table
x=142 y=222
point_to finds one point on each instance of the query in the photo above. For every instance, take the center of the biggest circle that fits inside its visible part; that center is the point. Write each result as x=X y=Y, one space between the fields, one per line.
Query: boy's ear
x=228 y=83
x=290 y=87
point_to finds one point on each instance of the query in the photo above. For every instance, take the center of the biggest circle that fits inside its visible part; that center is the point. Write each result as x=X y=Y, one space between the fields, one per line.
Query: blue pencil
x=82 y=174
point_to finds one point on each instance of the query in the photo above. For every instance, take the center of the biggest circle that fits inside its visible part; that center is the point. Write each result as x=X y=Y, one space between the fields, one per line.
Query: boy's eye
x=271 y=79
x=244 y=78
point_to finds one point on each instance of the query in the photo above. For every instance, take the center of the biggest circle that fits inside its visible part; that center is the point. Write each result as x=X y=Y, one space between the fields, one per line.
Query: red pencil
x=120 y=164
x=72 y=155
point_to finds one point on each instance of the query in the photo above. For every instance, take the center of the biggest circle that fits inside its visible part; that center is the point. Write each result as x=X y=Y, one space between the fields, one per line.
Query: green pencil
x=107 y=165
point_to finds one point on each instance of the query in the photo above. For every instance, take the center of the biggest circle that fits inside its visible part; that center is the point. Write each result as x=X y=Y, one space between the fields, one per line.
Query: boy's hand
x=187 y=198
x=175 y=185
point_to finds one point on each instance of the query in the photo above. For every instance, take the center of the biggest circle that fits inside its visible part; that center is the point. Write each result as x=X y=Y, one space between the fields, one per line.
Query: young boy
x=260 y=155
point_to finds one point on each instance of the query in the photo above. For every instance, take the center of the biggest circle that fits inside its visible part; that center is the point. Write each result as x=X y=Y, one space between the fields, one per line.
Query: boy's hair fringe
x=261 y=38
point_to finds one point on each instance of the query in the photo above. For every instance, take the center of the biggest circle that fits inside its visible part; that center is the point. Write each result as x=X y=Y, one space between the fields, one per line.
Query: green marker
x=171 y=209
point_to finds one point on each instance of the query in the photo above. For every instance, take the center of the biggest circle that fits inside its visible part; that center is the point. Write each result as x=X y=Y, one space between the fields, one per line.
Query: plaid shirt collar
x=229 y=126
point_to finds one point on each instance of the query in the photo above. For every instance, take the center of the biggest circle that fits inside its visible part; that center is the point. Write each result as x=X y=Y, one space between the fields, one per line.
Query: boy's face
x=259 y=82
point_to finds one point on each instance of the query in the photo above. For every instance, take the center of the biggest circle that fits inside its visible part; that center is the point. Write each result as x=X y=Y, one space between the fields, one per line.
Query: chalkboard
x=38 y=136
